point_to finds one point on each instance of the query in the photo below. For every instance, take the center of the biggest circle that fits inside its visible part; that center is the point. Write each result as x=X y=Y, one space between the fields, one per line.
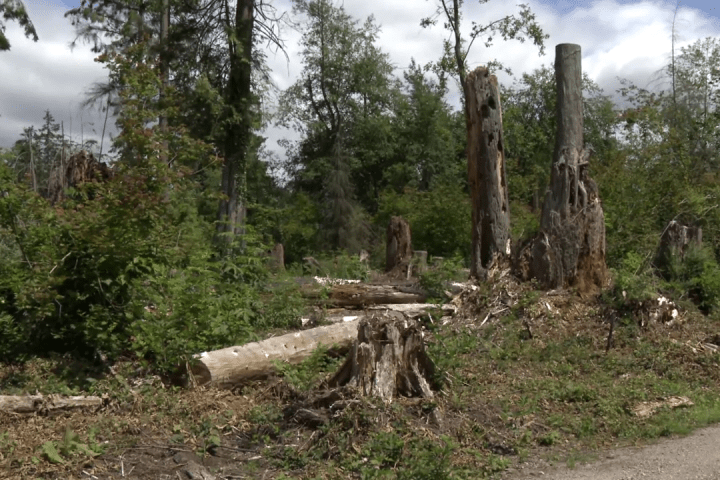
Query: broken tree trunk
x=28 y=404
x=398 y=250
x=569 y=250
x=387 y=359
x=486 y=173
x=234 y=365
x=675 y=241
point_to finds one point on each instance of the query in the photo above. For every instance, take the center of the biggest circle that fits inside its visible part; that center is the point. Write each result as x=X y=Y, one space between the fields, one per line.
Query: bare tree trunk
x=486 y=173
x=398 y=249
x=231 y=211
x=570 y=247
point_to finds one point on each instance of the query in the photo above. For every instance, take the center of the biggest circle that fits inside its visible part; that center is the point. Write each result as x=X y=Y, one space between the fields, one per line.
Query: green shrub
x=439 y=219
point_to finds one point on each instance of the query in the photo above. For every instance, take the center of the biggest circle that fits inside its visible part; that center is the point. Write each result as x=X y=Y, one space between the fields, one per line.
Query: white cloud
x=629 y=39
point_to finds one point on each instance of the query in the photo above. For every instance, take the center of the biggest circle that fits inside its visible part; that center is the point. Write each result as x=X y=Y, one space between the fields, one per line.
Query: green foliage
x=389 y=456
x=15 y=10
x=306 y=374
x=439 y=219
x=697 y=273
x=126 y=265
x=435 y=279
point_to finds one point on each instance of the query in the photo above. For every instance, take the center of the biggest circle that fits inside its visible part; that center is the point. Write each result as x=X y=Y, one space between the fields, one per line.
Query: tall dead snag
x=569 y=250
x=398 y=250
x=388 y=359
x=486 y=173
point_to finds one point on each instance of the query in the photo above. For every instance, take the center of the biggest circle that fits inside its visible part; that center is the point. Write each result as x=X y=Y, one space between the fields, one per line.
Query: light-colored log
x=26 y=404
x=234 y=365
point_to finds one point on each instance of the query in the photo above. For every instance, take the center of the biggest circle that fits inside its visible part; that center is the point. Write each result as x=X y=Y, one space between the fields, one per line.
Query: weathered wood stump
x=569 y=250
x=277 y=258
x=486 y=173
x=398 y=250
x=388 y=359
x=675 y=241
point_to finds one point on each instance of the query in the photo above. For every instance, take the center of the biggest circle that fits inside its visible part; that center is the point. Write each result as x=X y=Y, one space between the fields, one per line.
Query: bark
x=28 y=404
x=674 y=244
x=569 y=250
x=486 y=173
x=387 y=359
x=234 y=365
x=398 y=250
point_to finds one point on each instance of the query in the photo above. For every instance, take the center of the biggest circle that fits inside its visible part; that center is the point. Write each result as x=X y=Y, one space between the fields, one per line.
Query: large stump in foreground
x=398 y=249
x=388 y=359
x=486 y=173
x=569 y=250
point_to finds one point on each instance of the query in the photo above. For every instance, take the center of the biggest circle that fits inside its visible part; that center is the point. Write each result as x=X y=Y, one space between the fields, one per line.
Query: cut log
x=398 y=250
x=27 y=404
x=387 y=359
x=234 y=365
x=486 y=173
x=569 y=250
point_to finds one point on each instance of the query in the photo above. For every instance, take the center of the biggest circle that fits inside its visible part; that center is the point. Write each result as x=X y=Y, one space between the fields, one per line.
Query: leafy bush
x=698 y=274
x=439 y=219
x=435 y=279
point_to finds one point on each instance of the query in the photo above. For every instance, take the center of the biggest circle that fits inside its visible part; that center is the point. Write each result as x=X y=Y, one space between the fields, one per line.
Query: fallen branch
x=27 y=404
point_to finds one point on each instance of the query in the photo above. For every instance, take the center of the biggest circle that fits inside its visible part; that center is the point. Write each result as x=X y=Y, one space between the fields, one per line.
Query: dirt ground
x=695 y=457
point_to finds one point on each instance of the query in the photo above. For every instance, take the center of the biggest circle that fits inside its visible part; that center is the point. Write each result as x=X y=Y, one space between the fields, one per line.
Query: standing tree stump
x=277 y=258
x=388 y=359
x=569 y=250
x=398 y=252
x=675 y=241
x=486 y=173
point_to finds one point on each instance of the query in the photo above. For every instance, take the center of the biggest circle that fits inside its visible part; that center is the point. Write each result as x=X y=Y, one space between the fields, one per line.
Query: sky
x=619 y=38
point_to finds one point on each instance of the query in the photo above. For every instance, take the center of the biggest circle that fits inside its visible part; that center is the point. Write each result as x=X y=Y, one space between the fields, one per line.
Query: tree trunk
x=486 y=173
x=570 y=247
x=234 y=365
x=231 y=211
x=387 y=359
x=398 y=250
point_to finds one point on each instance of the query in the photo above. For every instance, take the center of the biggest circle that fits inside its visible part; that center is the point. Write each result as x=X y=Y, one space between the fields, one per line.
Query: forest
x=157 y=247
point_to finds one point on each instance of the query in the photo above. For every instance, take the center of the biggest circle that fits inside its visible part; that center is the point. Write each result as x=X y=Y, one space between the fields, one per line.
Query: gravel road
x=695 y=457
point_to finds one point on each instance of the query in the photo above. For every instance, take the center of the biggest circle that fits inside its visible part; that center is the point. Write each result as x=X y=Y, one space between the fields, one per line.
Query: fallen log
x=234 y=365
x=27 y=404
x=360 y=295
x=411 y=310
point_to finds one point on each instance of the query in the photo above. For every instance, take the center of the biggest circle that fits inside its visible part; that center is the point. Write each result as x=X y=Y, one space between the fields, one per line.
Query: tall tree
x=210 y=53
x=345 y=86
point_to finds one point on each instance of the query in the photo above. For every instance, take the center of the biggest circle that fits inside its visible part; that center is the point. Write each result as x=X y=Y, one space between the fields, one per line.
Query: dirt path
x=695 y=457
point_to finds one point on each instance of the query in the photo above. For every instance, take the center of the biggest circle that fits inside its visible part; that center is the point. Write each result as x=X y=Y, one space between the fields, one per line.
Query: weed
x=306 y=374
